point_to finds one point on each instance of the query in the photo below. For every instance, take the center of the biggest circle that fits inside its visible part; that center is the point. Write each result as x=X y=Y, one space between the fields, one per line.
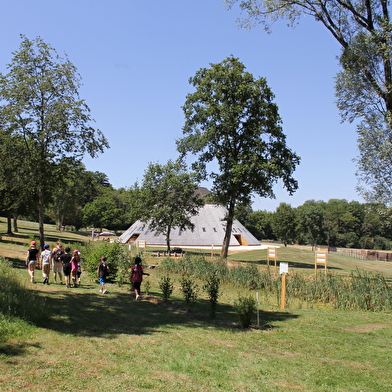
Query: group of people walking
x=61 y=261
x=69 y=264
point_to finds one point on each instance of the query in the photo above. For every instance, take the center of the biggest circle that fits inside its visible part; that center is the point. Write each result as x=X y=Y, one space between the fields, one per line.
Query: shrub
x=166 y=287
x=118 y=259
x=212 y=289
x=189 y=289
x=245 y=307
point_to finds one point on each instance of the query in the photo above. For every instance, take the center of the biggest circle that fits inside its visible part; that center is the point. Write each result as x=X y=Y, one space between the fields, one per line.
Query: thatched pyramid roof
x=209 y=230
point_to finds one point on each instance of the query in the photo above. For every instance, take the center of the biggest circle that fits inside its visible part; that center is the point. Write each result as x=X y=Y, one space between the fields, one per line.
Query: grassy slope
x=93 y=342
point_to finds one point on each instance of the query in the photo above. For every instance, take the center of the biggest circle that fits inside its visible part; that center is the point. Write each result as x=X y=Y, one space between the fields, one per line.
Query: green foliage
x=147 y=286
x=40 y=105
x=245 y=307
x=362 y=290
x=197 y=266
x=248 y=277
x=16 y=301
x=169 y=199
x=190 y=289
x=284 y=223
x=212 y=288
x=244 y=139
x=364 y=84
x=166 y=287
x=118 y=260
x=310 y=222
x=103 y=211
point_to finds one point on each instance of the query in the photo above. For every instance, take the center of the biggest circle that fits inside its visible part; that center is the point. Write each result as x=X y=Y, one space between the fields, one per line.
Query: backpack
x=57 y=254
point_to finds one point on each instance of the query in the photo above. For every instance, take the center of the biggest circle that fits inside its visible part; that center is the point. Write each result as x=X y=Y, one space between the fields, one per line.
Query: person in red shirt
x=137 y=276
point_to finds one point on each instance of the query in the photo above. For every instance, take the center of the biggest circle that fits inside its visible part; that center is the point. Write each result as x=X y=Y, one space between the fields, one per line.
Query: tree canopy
x=232 y=121
x=364 y=85
x=169 y=198
x=41 y=108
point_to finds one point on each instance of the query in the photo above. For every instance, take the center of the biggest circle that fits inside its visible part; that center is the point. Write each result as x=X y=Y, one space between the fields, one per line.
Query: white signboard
x=283 y=268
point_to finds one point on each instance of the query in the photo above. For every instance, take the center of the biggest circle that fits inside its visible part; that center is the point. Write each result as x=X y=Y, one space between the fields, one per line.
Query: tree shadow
x=84 y=312
x=13 y=350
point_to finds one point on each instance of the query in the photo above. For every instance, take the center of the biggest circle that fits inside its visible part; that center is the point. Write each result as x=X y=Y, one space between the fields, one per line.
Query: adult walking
x=57 y=265
x=46 y=258
x=32 y=260
x=66 y=261
x=137 y=276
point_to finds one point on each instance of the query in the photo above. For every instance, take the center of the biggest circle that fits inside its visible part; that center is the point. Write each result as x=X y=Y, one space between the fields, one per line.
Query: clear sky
x=135 y=58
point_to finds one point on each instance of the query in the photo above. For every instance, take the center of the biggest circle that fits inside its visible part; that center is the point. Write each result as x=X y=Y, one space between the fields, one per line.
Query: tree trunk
x=229 y=226
x=15 y=221
x=9 y=227
x=168 y=239
x=60 y=220
x=41 y=216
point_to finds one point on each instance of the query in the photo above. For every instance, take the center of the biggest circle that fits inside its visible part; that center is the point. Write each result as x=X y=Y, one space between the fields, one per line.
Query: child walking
x=137 y=276
x=46 y=258
x=102 y=272
x=75 y=263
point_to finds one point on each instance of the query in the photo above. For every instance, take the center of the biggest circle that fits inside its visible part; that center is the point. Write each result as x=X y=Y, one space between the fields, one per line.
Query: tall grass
x=361 y=290
x=16 y=301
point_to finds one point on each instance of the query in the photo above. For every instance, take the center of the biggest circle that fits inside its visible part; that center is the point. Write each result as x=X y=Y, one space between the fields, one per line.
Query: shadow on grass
x=82 y=312
x=13 y=350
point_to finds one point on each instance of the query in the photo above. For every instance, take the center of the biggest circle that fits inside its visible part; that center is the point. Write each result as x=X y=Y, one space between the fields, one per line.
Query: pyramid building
x=209 y=230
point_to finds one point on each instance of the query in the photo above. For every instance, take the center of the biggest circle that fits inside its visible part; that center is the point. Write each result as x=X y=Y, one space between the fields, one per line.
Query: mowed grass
x=95 y=342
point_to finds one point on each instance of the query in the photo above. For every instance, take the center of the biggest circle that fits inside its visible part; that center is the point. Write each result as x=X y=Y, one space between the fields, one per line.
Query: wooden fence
x=364 y=254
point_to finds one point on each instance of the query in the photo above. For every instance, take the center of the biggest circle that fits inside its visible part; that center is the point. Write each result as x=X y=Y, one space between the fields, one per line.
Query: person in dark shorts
x=32 y=258
x=102 y=272
x=137 y=276
x=66 y=261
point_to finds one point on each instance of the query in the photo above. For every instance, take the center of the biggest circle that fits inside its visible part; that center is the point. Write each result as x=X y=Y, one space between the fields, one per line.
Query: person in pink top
x=75 y=261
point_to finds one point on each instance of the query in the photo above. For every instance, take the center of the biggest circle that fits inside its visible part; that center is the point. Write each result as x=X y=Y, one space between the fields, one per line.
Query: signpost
x=283 y=270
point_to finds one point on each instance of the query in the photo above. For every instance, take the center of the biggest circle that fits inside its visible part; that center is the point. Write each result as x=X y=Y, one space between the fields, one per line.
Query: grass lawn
x=95 y=342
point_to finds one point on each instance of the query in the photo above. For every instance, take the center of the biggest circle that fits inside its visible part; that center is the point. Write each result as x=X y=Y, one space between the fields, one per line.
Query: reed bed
x=361 y=290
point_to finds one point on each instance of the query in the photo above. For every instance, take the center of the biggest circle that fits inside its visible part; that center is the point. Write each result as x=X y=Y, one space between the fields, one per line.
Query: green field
x=94 y=342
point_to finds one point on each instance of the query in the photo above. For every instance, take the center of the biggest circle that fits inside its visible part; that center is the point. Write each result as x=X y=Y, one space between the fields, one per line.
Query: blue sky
x=135 y=59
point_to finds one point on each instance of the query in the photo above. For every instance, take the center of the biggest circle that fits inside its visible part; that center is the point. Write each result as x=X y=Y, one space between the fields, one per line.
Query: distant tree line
x=336 y=223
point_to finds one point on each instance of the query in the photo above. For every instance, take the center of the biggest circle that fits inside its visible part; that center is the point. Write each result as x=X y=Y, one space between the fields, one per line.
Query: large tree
x=169 y=198
x=310 y=222
x=284 y=223
x=364 y=86
x=40 y=104
x=232 y=122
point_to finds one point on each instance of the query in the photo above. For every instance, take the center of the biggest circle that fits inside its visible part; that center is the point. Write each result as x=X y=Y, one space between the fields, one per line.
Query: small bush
x=147 y=286
x=166 y=287
x=245 y=307
x=212 y=289
x=189 y=289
